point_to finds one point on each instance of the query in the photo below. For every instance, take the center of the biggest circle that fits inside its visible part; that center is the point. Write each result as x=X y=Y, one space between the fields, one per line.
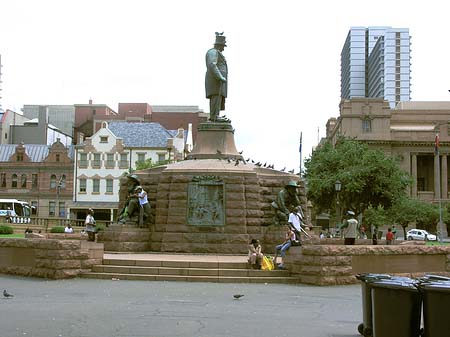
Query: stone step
x=191 y=278
x=188 y=271
x=176 y=264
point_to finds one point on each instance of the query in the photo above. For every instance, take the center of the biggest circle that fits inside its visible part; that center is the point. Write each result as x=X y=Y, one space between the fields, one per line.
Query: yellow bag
x=267 y=263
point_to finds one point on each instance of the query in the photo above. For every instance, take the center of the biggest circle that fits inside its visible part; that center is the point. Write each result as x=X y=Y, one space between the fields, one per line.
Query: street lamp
x=337 y=188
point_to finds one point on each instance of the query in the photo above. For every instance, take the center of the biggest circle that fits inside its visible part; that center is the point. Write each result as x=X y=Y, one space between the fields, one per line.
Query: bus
x=16 y=211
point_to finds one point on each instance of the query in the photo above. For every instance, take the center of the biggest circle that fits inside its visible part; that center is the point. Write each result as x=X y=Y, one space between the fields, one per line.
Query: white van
x=15 y=211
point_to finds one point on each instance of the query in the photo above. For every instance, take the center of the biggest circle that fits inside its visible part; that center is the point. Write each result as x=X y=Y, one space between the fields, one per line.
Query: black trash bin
x=365 y=328
x=396 y=308
x=436 y=301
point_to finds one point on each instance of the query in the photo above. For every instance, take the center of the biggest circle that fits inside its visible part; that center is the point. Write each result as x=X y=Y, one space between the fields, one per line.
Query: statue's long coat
x=216 y=65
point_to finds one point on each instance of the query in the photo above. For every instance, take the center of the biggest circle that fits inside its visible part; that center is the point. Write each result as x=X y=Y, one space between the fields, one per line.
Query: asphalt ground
x=115 y=308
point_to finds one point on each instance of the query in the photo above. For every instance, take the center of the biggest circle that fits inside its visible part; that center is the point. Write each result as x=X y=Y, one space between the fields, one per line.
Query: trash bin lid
x=396 y=284
x=431 y=278
x=372 y=277
x=442 y=286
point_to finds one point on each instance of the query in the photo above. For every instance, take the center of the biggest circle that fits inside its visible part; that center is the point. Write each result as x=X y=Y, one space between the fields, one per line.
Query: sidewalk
x=97 y=308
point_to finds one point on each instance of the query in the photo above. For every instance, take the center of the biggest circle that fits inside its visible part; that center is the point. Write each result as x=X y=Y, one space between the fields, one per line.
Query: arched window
x=52 y=181
x=14 y=181
x=23 y=181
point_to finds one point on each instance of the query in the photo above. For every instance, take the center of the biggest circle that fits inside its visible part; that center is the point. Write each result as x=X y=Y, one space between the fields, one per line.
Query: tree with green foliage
x=407 y=210
x=368 y=177
x=142 y=165
x=374 y=217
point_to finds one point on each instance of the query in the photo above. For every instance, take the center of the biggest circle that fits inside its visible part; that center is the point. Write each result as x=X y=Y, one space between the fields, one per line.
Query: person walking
x=90 y=225
x=389 y=237
x=350 y=228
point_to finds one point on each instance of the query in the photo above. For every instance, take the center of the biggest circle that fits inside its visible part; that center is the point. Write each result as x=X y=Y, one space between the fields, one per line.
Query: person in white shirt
x=145 y=210
x=68 y=229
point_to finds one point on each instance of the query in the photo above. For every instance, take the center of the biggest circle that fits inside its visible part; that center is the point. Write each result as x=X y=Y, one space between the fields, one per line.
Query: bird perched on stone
x=291 y=171
x=218 y=151
x=238 y=296
x=284 y=169
x=258 y=164
x=237 y=162
x=229 y=160
x=5 y=293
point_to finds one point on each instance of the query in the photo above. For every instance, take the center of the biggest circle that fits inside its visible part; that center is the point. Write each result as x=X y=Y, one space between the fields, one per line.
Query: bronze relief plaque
x=206 y=205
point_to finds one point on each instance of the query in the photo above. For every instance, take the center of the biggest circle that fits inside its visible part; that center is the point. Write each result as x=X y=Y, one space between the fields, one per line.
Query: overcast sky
x=283 y=58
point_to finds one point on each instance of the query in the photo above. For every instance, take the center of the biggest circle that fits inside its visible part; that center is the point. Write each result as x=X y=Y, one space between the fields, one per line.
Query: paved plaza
x=116 y=308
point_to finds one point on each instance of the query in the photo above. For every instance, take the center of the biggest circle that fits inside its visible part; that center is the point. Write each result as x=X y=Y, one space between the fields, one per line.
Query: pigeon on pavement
x=237 y=296
x=5 y=293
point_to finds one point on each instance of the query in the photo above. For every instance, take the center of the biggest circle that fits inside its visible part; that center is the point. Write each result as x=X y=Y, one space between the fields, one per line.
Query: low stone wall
x=337 y=265
x=49 y=258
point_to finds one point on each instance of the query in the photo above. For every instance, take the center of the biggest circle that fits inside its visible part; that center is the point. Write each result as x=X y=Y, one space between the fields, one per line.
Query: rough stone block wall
x=248 y=212
x=336 y=265
x=50 y=258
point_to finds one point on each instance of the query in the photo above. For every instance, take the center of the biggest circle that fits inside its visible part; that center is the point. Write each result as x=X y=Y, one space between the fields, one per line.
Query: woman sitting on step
x=254 y=254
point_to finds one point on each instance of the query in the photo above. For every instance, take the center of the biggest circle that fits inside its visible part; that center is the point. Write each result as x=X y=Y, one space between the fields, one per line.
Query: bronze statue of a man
x=130 y=210
x=216 y=78
x=286 y=202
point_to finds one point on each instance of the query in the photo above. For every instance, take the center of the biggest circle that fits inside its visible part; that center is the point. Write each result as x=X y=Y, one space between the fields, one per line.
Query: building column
x=437 y=183
x=414 y=174
x=444 y=177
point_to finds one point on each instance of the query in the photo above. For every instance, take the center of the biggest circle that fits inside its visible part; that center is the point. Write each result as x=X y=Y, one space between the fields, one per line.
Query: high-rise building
x=375 y=63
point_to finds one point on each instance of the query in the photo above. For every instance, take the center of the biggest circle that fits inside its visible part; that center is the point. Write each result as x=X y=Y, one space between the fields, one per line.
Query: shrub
x=6 y=229
x=100 y=227
x=57 y=229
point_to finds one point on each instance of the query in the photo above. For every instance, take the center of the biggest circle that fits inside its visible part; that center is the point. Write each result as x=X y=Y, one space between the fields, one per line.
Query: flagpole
x=300 y=150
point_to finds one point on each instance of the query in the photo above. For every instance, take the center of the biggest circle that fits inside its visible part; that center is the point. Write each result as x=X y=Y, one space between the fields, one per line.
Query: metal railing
x=45 y=224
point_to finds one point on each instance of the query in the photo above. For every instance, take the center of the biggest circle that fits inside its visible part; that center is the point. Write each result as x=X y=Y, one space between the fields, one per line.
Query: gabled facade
x=99 y=163
x=39 y=174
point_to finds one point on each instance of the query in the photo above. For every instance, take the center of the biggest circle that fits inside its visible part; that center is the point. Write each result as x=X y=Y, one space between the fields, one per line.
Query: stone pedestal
x=214 y=202
x=215 y=141
x=125 y=238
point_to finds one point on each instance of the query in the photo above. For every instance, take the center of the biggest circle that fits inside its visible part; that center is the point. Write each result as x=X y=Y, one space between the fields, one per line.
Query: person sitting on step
x=254 y=254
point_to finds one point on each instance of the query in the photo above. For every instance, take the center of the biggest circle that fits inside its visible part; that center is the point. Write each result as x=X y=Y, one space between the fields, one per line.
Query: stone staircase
x=190 y=270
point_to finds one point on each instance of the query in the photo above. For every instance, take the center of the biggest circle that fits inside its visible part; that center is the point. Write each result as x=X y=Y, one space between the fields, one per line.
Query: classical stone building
x=40 y=174
x=407 y=131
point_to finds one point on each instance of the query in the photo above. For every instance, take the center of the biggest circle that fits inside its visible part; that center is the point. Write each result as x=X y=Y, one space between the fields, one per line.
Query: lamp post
x=337 y=188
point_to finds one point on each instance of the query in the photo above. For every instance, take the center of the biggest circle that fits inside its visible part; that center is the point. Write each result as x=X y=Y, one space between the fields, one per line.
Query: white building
x=110 y=153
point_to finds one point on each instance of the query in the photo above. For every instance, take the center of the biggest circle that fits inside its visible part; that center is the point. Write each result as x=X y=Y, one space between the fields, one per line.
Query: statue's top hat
x=220 y=39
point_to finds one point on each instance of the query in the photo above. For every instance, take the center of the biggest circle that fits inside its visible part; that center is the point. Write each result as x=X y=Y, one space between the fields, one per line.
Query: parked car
x=420 y=234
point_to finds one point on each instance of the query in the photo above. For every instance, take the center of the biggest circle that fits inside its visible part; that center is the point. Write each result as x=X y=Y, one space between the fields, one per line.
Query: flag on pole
x=436 y=144
x=300 y=148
